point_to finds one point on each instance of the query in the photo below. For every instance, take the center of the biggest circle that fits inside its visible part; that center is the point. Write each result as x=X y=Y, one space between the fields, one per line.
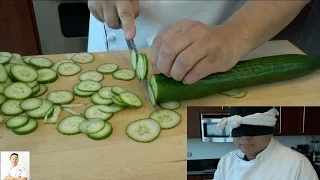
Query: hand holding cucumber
x=191 y=50
x=111 y=11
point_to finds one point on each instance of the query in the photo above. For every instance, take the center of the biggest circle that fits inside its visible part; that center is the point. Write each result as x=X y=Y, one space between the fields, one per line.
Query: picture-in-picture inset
x=249 y=143
x=15 y=165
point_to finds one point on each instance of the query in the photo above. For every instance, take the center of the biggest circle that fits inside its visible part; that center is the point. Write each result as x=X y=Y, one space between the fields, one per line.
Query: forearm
x=259 y=21
x=8 y=178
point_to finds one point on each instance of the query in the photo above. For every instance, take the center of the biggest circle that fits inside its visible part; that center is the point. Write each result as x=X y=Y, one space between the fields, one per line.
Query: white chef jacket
x=276 y=162
x=156 y=16
x=15 y=172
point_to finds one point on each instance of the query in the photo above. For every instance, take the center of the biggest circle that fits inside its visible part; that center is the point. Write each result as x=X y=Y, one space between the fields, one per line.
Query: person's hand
x=191 y=50
x=112 y=12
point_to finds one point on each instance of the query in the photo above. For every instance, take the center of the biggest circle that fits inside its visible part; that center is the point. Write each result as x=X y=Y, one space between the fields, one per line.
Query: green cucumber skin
x=246 y=73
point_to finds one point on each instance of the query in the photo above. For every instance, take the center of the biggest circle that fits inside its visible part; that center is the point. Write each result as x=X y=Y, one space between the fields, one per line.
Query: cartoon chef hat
x=250 y=121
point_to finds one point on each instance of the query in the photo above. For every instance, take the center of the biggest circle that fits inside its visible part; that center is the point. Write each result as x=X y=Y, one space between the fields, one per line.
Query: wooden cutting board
x=56 y=156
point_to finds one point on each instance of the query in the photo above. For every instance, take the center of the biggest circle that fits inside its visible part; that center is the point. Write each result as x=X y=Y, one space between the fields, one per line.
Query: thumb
x=126 y=16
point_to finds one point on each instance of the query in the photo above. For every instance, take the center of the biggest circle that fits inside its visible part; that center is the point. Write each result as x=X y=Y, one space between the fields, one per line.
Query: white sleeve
x=7 y=172
x=306 y=170
x=218 y=172
x=24 y=172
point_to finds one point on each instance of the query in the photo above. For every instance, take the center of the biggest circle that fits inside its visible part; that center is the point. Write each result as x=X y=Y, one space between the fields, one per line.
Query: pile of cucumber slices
x=23 y=85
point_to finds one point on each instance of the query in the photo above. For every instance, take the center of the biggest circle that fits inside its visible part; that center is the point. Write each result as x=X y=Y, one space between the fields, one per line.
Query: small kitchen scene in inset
x=272 y=142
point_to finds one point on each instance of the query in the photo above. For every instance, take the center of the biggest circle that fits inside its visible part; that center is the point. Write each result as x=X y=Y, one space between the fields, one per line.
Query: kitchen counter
x=56 y=156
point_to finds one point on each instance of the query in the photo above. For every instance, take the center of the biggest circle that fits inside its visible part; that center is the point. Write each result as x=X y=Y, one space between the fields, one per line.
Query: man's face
x=252 y=145
x=14 y=160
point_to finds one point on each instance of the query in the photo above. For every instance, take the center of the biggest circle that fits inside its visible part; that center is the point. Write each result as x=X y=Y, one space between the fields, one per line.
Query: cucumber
x=35 y=89
x=24 y=73
x=104 y=133
x=68 y=69
x=17 y=122
x=117 y=100
x=60 y=97
x=33 y=83
x=131 y=99
x=46 y=109
x=89 y=86
x=11 y=107
x=47 y=76
x=246 y=73
x=234 y=93
x=7 y=54
x=43 y=89
x=27 y=129
x=16 y=56
x=4 y=60
x=91 y=75
x=117 y=90
x=167 y=119
x=94 y=112
x=82 y=58
x=3 y=98
x=151 y=95
x=17 y=90
x=56 y=64
x=3 y=74
x=4 y=85
x=80 y=93
x=107 y=68
x=124 y=74
x=30 y=104
x=90 y=126
x=106 y=92
x=26 y=59
x=110 y=108
x=173 y=105
x=134 y=57
x=143 y=130
x=56 y=112
x=96 y=99
x=70 y=125
x=142 y=66
x=40 y=62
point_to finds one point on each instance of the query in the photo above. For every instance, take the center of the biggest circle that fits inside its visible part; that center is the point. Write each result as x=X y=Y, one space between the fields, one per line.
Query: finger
x=126 y=16
x=96 y=11
x=96 y=15
x=186 y=60
x=162 y=38
x=135 y=7
x=171 y=49
x=199 y=71
x=111 y=16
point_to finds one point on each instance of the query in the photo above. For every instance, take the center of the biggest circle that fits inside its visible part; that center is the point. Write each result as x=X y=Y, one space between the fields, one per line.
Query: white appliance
x=63 y=25
x=210 y=132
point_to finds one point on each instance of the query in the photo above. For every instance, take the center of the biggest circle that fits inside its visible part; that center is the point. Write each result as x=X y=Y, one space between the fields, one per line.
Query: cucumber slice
x=134 y=57
x=106 y=93
x=24 y=73
x=82 y=58
x=26 y=59
x=142 y=66
x=44 y=110
x=4 y=85
x=11 y=107
x=117 y=100
x=96 y=99
x=110 y=108
x=79 y=93
x=3 y=73
x=107 y=68
x=33 y=83
x=7 y=54
x=91 y=126
x=4 y=60
x=234 y=93
x=70 y=125
x=31 y=104
x=89 y=86
x=91 y=75
x=124 y=74
x=93 y=112
x=56 y=112
x=131 y=99
x=117 y=90
x=17 y=122
x=17 y=90
x=43 y=89
x=68 y=69
x=103 y=133
x=167 y=118
x=172 y=105
x=26 y=129
x=2 y=99
x=47 y=76
x=40 y=62
x=16 y=56
x=60 y=97
x=143 y=130
x=151 y=95
x=56 y=64
x=35 y=89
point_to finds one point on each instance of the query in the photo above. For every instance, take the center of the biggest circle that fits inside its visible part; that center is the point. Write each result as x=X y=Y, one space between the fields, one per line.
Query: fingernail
x=129 y=35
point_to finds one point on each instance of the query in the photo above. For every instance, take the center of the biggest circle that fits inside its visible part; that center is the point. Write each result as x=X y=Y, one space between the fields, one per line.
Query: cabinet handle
x=303 y=120
x=280 y=121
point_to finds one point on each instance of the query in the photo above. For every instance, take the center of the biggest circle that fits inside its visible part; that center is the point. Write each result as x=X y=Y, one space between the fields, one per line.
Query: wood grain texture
x=56 y=156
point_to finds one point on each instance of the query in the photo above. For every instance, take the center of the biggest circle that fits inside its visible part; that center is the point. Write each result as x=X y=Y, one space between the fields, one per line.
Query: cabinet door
x=291 y=121
x=207 y=177
x=195 y=177
x=311 y=121
x=18 y=32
